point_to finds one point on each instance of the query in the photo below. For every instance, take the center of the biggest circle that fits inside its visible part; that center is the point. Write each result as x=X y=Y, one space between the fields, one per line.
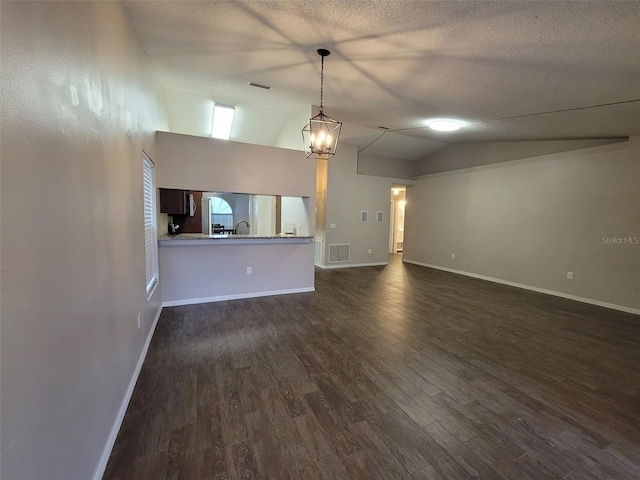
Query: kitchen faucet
x=235 y=229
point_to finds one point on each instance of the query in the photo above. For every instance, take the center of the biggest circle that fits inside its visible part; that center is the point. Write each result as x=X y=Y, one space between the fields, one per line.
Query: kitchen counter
x=186 y=239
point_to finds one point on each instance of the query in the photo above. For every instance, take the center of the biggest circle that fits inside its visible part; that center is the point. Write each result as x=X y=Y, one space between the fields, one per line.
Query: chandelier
x=321 y=134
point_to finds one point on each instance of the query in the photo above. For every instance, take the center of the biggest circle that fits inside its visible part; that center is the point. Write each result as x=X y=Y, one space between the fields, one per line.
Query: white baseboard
x=349 y=265
x=99 y=472
x=239 y=296
x=612 y=306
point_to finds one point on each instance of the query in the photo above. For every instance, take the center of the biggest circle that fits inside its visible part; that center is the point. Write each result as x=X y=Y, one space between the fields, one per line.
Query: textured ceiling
x=501 y=66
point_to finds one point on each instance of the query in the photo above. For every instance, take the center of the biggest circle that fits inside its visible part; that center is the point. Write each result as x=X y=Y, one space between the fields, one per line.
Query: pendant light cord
x=321 y=83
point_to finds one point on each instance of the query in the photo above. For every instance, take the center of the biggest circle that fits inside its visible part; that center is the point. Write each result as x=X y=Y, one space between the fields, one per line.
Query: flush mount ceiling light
x=321 y=134
x=222 y=121
x=444 y=125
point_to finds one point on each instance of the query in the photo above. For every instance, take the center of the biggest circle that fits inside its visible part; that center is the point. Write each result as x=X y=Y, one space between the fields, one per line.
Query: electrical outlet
x=569 y=275
x=453 y=256
x=139 y=320
x=249 y=270
x=369 y=250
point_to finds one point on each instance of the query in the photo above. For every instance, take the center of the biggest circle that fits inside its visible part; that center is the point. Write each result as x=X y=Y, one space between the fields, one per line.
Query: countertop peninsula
x=183 y=239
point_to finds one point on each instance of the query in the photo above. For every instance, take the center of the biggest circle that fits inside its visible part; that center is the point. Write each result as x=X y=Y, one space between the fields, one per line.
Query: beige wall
x=467 y=155
x=209 y=164
x=387 y=167
x=209 y=273
x=78 y=107
x=531 y=221
x=347 y=195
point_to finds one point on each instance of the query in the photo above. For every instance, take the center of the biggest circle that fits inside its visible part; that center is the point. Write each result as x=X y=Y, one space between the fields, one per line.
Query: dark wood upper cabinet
x=174 y=202
x=192 y=224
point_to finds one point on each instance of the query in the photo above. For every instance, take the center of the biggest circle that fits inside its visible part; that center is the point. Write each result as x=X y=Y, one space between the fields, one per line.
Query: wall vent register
x=318 y=252
x=339 y=253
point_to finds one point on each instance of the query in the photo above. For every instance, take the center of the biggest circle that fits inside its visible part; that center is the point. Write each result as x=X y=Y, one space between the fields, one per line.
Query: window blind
x=150 y=224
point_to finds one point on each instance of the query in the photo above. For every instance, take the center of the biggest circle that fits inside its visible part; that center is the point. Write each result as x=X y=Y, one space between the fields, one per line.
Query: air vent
x=259 y=85
x=319 y=246
x=339 y=253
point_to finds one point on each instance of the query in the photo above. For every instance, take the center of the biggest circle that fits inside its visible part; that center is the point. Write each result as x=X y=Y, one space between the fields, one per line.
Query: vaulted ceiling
x=513 y=70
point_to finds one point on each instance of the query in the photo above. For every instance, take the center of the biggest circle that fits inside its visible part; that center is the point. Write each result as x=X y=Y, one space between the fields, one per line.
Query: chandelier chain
x=321 y=83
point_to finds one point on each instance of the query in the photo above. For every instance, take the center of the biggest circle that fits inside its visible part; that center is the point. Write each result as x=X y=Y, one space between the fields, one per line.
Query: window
x=150 y=224
x=222 y=213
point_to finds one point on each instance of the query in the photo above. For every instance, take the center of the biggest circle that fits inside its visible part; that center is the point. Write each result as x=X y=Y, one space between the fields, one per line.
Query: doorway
x=396 y=219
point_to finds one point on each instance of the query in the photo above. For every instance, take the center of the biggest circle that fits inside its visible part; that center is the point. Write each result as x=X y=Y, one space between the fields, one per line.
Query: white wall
x=295 y=211
x=291 y=135
x=192 y=114
x=210 y=164
x=78 y=107
x=189 y=113
x=531 y=221
x=266 y=215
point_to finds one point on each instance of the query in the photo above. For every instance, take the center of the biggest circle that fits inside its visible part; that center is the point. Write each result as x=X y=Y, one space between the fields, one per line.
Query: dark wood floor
x=398 y=372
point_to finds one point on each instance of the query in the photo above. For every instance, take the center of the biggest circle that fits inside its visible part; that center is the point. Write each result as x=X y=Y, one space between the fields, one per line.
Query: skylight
x=222 y=121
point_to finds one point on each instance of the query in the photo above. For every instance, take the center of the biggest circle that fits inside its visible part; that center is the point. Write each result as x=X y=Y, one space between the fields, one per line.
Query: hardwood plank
x=293 y=401
x=534 y=468
x=360 y=467
x=266 y=442
x=497 y=458
x=241 y=462
x=381 y=457
x=421 y=416
x=318 y=447
x=426 y=473
x=232 y=415
x=300 y=464
x=209 y=436
x=400 y=439
x=332 y=425
x=583 y=452
x=281 y=424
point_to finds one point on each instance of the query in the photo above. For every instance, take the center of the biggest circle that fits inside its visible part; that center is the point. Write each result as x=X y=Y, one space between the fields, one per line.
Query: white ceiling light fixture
x=222 y=121
x=445 y=125
x=321 y=134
